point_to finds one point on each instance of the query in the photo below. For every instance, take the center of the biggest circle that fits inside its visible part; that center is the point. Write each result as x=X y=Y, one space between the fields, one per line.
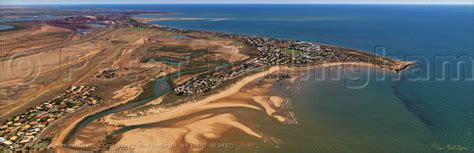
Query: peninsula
x=94 y=82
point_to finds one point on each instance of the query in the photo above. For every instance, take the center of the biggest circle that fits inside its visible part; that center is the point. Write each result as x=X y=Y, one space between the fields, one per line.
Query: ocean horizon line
x=230 y=3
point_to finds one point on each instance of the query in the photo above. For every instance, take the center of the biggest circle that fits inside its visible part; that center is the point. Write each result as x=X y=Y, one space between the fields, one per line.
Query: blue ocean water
x=430 y=35
x=419 y=112
x=441 y=109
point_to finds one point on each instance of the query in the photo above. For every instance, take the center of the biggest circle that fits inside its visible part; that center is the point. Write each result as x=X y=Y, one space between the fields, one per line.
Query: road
x=58 y=84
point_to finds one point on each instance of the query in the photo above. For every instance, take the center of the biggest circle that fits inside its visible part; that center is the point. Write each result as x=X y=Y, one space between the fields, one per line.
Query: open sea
x=424 y=109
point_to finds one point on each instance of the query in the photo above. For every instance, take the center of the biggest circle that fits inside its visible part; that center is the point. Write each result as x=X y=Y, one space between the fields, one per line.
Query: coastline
x=229 y=91
x=372 y=103
x=399 y=68
x=402 y=64
x=226 y=98
x=189 y=105
x=234 y=88
x=59 y=141
x=148 y=20
x=201 y=121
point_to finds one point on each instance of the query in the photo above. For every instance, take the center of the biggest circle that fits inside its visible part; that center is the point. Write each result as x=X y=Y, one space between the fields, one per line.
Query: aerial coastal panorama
x=273 y=76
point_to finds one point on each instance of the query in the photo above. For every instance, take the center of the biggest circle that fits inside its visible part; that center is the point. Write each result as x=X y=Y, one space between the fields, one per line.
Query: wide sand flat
x=199 y=122
x=191 y=107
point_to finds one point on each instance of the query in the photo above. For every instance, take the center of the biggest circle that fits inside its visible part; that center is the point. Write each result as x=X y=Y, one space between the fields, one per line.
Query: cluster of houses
x=242 y=68
x=271 y=52
x=333 y=54
x=279 y=52
x=210 y=81
x=23 y=130
x=199 y=84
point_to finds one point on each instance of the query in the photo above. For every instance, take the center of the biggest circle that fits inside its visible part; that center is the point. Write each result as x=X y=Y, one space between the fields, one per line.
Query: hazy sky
x=3 y=2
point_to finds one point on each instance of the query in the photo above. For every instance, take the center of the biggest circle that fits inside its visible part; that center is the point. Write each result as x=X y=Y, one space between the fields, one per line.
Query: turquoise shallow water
x=419 y=110
x=416 y=113
x=5 y=27
x=334 y=118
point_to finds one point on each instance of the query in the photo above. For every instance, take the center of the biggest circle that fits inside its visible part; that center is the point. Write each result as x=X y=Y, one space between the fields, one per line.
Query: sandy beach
x=181 y=110
x=200 y=121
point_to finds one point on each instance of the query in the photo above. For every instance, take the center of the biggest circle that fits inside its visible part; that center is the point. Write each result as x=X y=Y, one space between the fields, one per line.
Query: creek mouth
x=160 y=87
x=157 y=88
